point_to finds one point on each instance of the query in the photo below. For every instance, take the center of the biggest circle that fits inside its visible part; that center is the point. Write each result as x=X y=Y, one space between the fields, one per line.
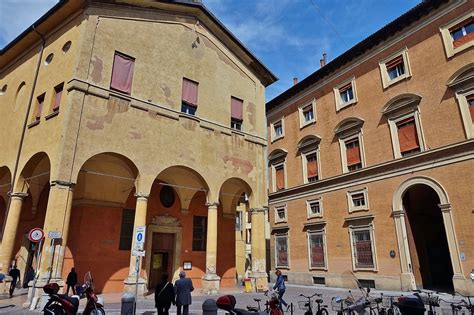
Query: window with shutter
x=316 y=250
x=362 y=247
x=122 y=73
x=407 y=136
x=281 y=251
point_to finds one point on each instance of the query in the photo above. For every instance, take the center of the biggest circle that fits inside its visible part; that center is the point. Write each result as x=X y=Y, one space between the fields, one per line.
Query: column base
x=463 y=285
x=407 y=281
x=130 y=283
x=259 y=281
x=211 y=283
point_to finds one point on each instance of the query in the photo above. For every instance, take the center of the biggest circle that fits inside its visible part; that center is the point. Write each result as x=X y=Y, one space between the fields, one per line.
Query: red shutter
x=470 y=103
x=353 y=154
x=190 y=92
x=407 y=136
x=236 y=106
x=312 y=167
x=122 y=73
x=345 y=87
x=57 y=97
x=39 y=107
x=461 y=41
x=317 y=254
x=280 y=178
x=394 y=62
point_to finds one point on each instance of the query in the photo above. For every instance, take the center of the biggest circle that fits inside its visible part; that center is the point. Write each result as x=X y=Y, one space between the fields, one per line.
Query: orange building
x=126 y=114
x=371 y=159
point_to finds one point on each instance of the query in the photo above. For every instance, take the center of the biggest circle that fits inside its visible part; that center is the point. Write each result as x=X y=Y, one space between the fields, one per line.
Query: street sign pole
x=137 y=270
x=138 y=252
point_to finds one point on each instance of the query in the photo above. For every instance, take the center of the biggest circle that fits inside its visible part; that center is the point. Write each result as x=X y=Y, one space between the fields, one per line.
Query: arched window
x=308 y=147
x=277 y=162
x=349 y=132
x=462 y=82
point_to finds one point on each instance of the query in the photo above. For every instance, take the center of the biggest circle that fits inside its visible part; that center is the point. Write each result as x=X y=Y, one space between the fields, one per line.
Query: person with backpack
x=164 y=295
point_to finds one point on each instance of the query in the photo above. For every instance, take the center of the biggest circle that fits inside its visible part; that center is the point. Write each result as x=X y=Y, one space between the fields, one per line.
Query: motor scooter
x=59 y=304
x=95 y=304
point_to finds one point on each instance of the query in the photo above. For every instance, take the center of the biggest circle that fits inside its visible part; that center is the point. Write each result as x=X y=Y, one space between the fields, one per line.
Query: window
x=281 y=251
x=316 y=249
x=358 y=200
x=189 y=97
x=199 y=233
x=311 y=165
x=39 y=107
x=126 y=230
x=362 y=248
x=349 y=132
x=280 y=214
x=353 y=157
x=461 y=84
x=236 y=106
x=314 y=208
x=279 y=180
x=458 y=34
x=277 y=130
x=407 y=136
x=345 y=94
x=122 y=73
x=470 y=104
x=58 y=91
x=307 y=114
x=395 y=68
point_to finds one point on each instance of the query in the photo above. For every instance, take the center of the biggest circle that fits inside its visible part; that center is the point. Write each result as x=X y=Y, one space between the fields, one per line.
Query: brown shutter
x=190 y=92
x=122 y=73
x=280 y=178
x=394 y=62
x=312 y=166
x=470 y=103
x=461 y=41
x=345 y=87
x=57 y=97
x=353 y=154
x=407 y=136
x=236 y=108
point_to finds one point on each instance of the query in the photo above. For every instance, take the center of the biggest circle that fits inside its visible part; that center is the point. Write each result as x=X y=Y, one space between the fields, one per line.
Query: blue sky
x=288 y=36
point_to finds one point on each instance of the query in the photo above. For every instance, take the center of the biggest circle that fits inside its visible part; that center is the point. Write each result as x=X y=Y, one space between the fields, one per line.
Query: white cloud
x=17 y=15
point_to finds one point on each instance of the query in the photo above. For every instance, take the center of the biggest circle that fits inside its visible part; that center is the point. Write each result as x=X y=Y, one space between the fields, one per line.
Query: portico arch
x=399 y=214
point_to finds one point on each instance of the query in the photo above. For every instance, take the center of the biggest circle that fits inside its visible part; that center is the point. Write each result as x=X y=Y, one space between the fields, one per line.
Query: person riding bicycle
x=280 y=287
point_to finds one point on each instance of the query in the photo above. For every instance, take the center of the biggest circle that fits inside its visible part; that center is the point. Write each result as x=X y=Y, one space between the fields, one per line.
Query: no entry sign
x=36 y=235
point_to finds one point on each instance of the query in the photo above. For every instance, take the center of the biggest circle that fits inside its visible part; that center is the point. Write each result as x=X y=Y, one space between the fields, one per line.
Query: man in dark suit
x=183 y=288
x=164 y=295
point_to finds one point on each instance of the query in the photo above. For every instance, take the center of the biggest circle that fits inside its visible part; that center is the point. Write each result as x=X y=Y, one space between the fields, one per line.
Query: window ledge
x=344 y=105
x=237 y=132
x=312 y=217
x=372 y=269
x=396 y=80
x=318 y=268
x=358 y=210
x=35 y=123
x=306 y=124
x=277 y=138
x=51 y=115
x=189 y=116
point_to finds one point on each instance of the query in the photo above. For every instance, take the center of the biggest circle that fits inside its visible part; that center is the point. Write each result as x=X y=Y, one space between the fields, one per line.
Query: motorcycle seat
x=73 y=300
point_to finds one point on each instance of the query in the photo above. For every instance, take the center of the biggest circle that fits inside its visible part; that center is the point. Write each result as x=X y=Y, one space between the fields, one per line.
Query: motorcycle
x=59 y=304
x=95 y=304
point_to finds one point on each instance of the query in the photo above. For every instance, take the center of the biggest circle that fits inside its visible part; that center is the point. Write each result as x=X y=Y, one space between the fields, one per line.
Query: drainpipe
x=25 y=125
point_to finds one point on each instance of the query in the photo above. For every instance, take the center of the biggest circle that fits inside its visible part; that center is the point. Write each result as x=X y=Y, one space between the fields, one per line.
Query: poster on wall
x=157 y=261
x=187 y=265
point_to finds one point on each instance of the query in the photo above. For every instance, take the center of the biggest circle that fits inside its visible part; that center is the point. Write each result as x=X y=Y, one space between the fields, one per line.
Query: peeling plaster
x=167 y=92
x=115 y=105
x=244 y=166
x=252 y=115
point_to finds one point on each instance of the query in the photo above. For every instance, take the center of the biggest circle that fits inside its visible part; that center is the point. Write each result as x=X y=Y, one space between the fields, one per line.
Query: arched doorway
x=427 y=241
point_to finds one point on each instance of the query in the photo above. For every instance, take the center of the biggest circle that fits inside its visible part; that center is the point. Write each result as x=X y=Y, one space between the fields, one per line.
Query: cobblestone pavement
x=146 y=306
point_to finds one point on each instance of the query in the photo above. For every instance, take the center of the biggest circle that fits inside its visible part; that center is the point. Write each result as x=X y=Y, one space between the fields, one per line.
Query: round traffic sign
x=139 y=237
x=36 y=235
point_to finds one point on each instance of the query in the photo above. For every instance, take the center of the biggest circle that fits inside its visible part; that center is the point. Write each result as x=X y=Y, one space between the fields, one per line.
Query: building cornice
x=454 y=153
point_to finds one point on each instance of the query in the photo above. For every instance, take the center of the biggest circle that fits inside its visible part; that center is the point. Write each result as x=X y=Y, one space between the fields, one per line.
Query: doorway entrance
x=162 y=257
x=427 y=242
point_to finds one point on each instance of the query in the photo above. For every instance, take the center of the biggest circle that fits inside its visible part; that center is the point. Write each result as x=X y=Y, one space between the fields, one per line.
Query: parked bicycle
x=429 y=298
x=272 y=305
x=461 y=306
x=307 y=305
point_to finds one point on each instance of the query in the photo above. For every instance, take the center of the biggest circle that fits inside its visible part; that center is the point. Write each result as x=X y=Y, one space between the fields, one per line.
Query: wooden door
x=162 y=256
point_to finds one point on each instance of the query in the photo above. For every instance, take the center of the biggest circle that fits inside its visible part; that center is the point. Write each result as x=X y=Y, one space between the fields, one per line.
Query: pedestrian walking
x=164 y=295
x=15 y=274
x=280 y=287
x=183 y=288
x=71 y=281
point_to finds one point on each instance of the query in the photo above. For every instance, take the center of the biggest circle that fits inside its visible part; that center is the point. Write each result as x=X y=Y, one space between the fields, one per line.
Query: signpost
x=138 y=252
x=36 y=235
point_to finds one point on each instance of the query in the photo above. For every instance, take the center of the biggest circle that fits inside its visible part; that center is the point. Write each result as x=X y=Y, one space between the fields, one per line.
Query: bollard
x=209 y=307
x=128 y=304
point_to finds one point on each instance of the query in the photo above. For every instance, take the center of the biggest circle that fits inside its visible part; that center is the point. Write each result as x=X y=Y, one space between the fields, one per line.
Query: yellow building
x=126 y=114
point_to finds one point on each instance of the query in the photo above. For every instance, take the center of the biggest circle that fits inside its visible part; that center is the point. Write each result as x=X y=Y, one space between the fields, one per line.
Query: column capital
x=212 y=204
x=62 y=184
x=18 y=195
x=398 y=213
x=258 y=210
x=445 y=207
x=142 y=196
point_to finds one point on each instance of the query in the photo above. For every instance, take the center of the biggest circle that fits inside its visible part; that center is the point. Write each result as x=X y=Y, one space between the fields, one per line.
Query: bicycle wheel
x=322 y=311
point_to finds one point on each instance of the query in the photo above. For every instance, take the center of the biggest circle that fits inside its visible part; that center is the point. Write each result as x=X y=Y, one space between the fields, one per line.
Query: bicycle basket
x=387 y=300
x=303 y=305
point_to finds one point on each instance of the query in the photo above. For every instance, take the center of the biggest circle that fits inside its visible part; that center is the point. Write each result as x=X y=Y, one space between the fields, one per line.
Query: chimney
x=323 y=61
x=295 y=81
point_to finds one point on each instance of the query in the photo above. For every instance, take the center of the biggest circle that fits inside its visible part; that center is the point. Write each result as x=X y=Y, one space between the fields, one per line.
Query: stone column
x=211 y=281
x=259 y=273
x=11 y=225
x=140 y=220
x=57 y=217
x=407 y=278
x=460 y=282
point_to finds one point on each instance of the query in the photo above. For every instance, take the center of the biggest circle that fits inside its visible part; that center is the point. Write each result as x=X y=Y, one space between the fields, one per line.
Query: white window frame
x=350 y=205
x=274 y=137
x=342 y=147
x=287 y=236
x=461 y=96
x=274 y=167
x=309 y=213
x=321 y=232
x=448 y=40
x=337 y=96
x=304 y=163
x=277 y=218
x=386 y=81
x=371 y=229
x=392 y=122
x=304 y=123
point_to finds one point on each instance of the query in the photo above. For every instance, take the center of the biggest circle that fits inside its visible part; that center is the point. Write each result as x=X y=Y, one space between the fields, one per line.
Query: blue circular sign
x=139 y=237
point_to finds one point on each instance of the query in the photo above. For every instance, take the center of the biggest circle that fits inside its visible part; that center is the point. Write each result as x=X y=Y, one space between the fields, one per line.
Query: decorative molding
x=140 y=195
x=258 y=210
x=445 y=207
x=18 y=195
x=212 y=205
x=62 y=184
x=165 y=220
